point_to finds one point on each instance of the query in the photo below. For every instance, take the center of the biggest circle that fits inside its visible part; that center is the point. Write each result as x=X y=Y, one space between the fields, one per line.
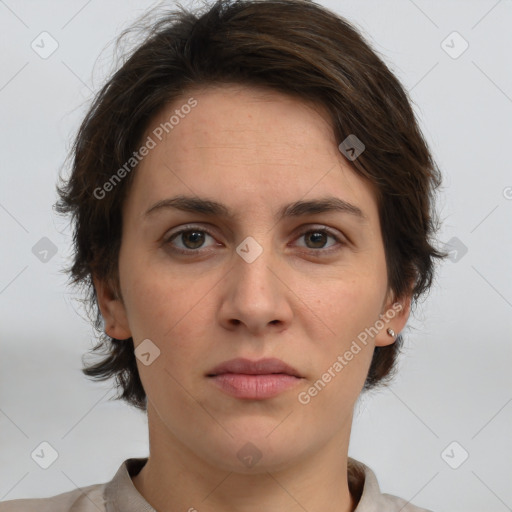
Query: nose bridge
x=254 y=294
x=253 y=263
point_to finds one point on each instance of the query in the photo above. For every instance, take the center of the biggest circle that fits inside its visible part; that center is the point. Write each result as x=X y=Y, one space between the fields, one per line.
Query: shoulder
x=365 y=487
x=118 y=494
x=394 y=503
x=87 y=499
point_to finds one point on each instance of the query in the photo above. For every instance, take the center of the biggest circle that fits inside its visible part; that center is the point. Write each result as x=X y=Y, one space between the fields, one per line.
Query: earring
x=391 y=332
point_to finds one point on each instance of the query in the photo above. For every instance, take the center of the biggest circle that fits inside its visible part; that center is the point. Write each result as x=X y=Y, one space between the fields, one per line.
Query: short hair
x=295 y=47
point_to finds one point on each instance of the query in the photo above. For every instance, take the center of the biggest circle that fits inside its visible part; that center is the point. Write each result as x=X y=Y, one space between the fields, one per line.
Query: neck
x=175 y=478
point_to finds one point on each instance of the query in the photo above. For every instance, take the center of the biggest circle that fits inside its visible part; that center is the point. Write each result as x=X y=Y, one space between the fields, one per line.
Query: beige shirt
x=120 y=495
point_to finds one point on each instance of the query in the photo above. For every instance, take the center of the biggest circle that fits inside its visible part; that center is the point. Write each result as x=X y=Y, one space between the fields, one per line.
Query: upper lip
x=248 y=367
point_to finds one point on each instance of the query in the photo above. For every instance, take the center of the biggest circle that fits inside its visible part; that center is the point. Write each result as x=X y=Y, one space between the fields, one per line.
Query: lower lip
x=254 y=387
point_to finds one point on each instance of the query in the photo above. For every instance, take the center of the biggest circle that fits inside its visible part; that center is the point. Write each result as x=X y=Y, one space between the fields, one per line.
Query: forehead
x=246 y=146
x=229 y=120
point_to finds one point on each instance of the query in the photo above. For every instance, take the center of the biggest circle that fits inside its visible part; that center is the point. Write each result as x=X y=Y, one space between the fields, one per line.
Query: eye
x=193 y=239
x=317 y=238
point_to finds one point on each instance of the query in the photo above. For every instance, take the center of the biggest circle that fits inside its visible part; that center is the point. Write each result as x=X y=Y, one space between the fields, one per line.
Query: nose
x=255 y=294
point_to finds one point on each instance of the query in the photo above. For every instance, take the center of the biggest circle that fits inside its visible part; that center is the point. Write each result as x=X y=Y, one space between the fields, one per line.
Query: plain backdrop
x=455 y=383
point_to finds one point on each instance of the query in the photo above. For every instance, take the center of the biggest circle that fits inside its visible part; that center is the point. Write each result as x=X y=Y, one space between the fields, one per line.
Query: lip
x=265 y=366
x=254 y=380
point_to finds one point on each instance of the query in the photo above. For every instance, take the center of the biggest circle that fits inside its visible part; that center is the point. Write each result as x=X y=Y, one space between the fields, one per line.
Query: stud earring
x=391 y=332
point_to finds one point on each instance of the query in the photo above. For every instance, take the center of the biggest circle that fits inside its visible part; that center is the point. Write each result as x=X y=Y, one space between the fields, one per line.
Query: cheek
x=342 y=359
x=350 y=305
x=149 y=299
x=167 y=308
x=167 y=313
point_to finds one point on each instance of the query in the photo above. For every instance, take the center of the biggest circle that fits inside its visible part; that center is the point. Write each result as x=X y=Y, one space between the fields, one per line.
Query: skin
x=303 y=300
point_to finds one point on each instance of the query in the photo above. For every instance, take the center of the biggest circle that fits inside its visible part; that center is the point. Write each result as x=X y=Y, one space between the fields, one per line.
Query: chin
x=253 y=452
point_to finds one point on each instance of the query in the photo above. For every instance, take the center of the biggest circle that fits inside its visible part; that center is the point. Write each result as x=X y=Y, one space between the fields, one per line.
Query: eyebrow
x=212 y=208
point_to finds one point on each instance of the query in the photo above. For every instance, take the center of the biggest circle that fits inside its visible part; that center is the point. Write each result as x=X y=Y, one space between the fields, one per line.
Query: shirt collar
x=121 y=495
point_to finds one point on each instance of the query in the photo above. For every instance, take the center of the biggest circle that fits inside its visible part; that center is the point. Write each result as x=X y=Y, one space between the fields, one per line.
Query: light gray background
x=455 y=382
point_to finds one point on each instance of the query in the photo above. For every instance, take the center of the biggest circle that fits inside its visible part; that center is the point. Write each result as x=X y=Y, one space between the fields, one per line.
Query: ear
x=394 y=316
x=112 y=310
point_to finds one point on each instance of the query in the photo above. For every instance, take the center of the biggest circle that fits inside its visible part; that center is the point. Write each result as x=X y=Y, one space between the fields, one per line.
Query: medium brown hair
x=296 y=47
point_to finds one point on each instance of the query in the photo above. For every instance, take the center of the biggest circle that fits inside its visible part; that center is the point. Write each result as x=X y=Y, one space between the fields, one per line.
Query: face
x=254 y=280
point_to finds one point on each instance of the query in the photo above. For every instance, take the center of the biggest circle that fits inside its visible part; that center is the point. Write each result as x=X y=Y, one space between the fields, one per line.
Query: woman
x=253 y=209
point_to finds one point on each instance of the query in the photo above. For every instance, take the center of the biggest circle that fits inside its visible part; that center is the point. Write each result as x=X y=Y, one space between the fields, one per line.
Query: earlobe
x=112 y=310
x=394 y=317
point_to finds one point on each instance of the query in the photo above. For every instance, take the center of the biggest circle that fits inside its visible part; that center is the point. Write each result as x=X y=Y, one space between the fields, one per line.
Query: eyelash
x=191 y=252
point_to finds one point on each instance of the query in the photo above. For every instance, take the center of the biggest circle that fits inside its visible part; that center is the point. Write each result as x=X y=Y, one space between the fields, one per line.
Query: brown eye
x=316 y=239
x=191 y=240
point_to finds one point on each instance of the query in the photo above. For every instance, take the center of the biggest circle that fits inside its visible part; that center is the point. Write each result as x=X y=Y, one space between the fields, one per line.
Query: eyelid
x=167 y=239
x=341 y=239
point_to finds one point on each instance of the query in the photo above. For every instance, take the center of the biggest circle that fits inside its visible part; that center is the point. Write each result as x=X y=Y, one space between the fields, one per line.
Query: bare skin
x=303 y=300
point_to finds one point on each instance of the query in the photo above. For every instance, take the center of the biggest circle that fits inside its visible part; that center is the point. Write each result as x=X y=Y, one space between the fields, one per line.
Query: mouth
x=248 y=367
x=254 y=380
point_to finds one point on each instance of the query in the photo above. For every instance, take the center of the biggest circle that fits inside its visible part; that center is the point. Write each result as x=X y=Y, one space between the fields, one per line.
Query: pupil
x=198 y=236
x=317 y=237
